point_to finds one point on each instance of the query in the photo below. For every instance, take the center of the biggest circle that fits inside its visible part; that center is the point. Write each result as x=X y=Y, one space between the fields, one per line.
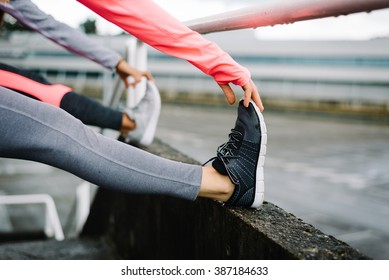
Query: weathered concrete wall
x=159 y=227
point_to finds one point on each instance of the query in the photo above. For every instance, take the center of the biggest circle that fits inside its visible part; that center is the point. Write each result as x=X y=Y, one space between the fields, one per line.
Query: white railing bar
x=282 y=12
x=53 y=224
x=83 y=199
x=136 y=56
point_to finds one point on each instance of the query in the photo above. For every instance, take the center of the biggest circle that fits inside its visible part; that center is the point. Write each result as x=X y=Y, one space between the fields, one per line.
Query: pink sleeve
x=148 y=22
x=51 y=94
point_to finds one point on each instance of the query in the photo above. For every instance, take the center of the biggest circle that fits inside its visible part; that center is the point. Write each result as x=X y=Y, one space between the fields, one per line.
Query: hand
x=124 y=70
x=250 y=93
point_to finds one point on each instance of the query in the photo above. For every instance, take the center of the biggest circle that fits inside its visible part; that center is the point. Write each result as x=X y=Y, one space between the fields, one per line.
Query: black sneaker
x=242 y=158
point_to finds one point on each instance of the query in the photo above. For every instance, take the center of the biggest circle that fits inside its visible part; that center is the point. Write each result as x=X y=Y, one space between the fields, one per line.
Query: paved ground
x=330 y=172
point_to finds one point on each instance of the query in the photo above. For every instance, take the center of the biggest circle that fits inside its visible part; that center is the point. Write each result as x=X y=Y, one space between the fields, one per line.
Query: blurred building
x=348 y=72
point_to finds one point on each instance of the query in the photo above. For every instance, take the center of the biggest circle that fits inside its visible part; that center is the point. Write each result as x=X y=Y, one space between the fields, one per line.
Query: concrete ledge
x=159 y=227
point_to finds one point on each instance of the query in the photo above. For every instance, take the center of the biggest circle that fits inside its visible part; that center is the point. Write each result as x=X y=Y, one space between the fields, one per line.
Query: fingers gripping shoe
x=146 y=116
x=243 y=156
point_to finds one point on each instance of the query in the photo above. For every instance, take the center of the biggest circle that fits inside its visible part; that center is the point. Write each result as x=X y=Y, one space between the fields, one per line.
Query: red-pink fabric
x=51 y=94
x=148 y=22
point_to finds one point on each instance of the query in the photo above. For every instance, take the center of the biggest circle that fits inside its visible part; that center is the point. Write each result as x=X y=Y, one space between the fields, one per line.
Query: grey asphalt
x=331 y=172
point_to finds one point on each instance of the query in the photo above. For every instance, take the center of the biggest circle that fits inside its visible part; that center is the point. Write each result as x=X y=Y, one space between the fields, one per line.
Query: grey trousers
x=40 y=132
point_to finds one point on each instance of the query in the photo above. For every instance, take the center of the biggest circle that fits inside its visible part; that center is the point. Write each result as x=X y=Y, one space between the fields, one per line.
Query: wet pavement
x=330 y=172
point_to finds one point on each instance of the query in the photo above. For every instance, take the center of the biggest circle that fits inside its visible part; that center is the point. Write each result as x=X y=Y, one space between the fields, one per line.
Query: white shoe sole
x=259 y=175
x=148 y=136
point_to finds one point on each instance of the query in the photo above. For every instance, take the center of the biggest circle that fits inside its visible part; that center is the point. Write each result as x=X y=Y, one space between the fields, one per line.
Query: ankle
x=127 y=124
x=215 y=185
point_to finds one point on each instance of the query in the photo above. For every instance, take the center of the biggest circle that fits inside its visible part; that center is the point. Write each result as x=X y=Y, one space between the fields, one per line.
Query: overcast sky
x=360 y=26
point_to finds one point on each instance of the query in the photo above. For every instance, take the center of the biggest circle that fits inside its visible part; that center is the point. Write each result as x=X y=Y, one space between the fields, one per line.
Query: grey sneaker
x=242 y=157
x=146 y=115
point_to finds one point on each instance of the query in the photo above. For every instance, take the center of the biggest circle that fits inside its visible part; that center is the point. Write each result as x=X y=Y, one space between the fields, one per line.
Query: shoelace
x=226 y=151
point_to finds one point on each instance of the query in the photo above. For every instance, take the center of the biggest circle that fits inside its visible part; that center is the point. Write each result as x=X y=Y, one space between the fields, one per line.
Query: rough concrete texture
x=72 y=249
x=159 y=227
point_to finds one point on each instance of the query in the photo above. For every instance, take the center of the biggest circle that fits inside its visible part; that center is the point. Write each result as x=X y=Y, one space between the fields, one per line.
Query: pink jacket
x=148 y=22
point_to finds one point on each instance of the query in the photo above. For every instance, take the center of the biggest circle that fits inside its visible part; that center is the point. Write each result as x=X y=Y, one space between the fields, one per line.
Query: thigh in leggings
x=40 y=132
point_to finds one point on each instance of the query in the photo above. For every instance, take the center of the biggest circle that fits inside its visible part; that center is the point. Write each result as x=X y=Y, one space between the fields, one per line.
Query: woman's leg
x=40 y=132
x=216 y=186
x=91 y=112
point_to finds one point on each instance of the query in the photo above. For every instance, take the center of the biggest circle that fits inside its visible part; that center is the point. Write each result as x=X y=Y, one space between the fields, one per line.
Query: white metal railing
x=136 y=56
x=282 y=12
x=53 y=225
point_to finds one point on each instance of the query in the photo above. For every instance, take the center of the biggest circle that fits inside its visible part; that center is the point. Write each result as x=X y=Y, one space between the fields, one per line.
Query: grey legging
x=36 y=131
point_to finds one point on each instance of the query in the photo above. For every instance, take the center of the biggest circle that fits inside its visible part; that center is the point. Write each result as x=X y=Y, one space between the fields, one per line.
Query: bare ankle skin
x=215 y=185
x=127 y=124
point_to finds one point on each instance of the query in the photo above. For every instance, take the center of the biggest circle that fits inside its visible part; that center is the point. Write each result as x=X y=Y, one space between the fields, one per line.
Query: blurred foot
x=146 y=116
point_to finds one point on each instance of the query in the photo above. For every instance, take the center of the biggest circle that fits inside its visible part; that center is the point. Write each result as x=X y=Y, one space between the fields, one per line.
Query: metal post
x=83 y=199
x=136 y=53
x=107 y=86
